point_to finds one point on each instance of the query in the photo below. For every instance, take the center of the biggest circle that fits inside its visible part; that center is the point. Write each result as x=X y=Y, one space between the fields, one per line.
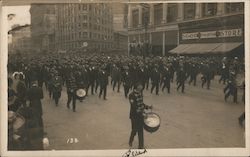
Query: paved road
x=199 y=118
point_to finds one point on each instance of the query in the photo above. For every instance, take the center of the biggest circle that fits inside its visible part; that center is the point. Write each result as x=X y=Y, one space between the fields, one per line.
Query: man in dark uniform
x=193 y=73
x=126 y=81
x=116 y=77
x=136 y=115
x=181 y=78
x=34 y=96
x=207 y=75
x=166 y=78
x=103 y=82
x=71 y=90
x=57 y=87
x=155 y=78
x=231 y=88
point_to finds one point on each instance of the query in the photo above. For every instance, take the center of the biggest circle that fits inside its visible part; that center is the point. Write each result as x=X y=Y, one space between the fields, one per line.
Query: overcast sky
x=22 y=15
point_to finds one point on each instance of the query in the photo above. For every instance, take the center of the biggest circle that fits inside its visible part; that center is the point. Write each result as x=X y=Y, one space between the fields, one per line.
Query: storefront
x=217 y=35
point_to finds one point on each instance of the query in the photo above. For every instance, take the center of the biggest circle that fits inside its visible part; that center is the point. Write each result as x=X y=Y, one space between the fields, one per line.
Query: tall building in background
x=43 y=25
x=84 y=26
x=120 y=12
x=188 y=27
x=20 y=39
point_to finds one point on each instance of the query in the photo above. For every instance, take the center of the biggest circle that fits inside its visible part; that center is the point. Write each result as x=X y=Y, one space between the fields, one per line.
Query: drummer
x=136 y=114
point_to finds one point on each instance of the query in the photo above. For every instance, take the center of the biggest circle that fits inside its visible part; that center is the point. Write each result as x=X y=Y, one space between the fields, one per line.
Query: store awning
x=227 y=47
x=205 y=48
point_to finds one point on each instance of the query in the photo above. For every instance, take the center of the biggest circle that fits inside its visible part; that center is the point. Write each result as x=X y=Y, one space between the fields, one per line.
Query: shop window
x=158 y=14
x=209 y=9
x=189 y=10
x=234 y=7
x=172 y=12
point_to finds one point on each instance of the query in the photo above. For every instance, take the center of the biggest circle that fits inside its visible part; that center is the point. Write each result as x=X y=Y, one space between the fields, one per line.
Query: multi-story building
x=43 y=22
x=186 y=28
x=20 y=38
x=120 y=26
x=84 y=26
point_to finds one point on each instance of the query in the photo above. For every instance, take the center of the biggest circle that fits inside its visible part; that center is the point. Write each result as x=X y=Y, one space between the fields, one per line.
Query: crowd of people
x=93 y=72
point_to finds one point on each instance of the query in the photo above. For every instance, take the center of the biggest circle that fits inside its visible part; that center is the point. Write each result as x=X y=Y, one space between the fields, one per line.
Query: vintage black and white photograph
x=90 y=75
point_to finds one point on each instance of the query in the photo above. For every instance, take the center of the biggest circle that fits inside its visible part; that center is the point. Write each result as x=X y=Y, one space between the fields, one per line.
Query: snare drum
x=151 y=122
x=80 y=93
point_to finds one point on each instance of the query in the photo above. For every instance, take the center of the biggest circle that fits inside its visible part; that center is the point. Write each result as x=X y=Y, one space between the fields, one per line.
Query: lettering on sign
x=209 y=34
x=213 y=34
x=186 y=36
x=230 y=33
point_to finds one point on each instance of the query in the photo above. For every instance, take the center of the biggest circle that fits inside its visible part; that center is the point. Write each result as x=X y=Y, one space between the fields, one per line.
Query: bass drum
x=152 y=122
x=80 y=93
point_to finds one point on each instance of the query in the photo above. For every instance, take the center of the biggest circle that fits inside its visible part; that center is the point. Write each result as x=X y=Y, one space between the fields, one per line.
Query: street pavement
x=199 y=118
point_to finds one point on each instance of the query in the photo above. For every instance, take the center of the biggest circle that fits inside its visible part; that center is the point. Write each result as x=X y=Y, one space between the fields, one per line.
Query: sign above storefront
x=213 y=34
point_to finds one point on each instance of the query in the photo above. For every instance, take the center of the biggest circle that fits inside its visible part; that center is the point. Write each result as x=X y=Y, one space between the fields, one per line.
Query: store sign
x=187 y=36
x=213 y=34
x=209 y=34
x=230 y=33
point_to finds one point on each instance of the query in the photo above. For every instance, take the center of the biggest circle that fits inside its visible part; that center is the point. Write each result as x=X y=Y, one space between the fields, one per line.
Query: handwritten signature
x=133 y=153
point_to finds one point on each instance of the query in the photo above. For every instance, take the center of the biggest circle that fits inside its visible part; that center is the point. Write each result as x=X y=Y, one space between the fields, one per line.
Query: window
x=209 y=9
x=145 y=17
x=189 y=10
x=85 y=17
x=85 y=34
x=172 y=12
x=84 y=25
x=85 y=6
x=234 y=7
x=158 y=14
x=135 y=15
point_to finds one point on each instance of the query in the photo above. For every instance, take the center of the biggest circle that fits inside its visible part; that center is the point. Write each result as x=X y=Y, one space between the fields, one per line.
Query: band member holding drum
x=71 y=90
x=136 y=115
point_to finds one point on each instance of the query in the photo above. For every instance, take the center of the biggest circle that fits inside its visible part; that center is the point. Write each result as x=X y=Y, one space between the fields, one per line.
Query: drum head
x=152 y=122
x=80 y=92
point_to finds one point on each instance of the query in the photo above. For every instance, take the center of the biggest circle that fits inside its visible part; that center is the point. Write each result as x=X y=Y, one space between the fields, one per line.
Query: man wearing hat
x=136 y=114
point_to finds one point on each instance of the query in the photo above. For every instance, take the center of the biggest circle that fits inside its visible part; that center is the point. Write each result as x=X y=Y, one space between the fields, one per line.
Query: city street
x=199 y=118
